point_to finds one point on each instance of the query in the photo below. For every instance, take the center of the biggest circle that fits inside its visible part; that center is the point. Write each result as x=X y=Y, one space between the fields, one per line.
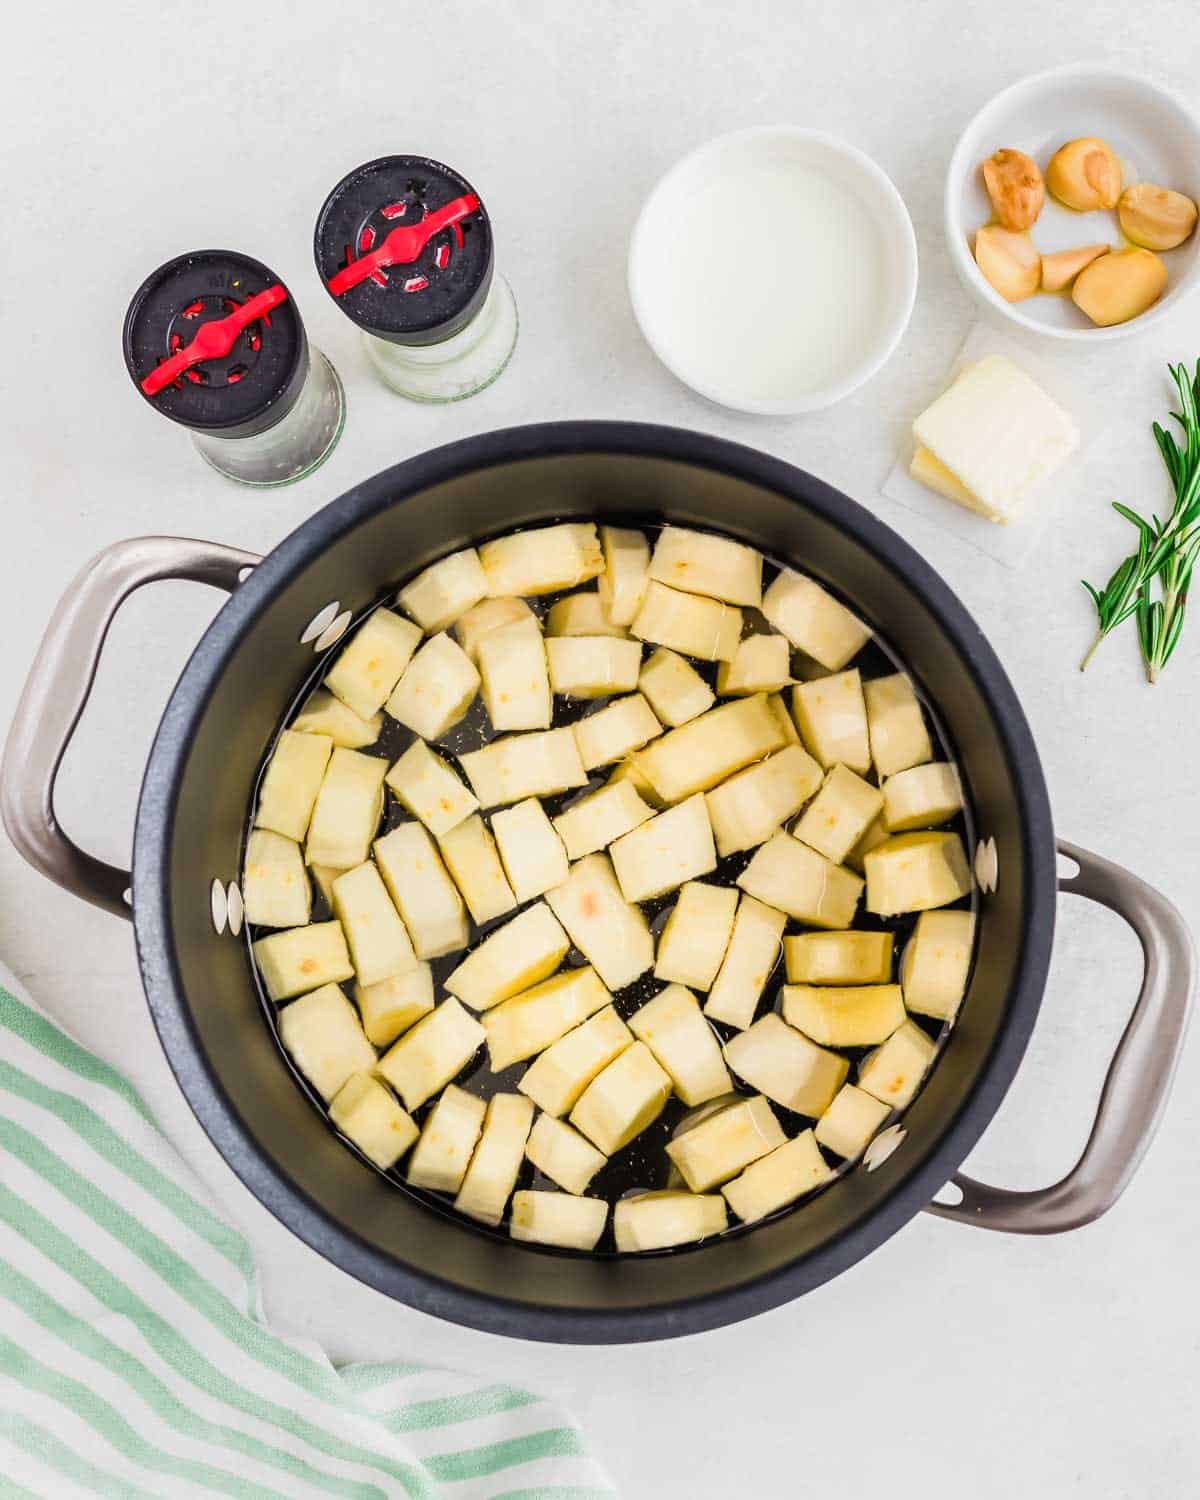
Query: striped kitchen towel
x=134 y=1359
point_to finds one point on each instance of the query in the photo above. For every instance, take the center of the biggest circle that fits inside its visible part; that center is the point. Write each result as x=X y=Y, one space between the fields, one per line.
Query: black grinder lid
x=404 y=247
x=213 y=340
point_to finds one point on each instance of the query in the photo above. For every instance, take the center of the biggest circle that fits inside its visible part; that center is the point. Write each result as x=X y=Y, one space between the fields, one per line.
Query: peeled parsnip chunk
x=617 y=729
x=323 y=1038
x=438 y=686
x=529 y=1022
x=683 y=1042
x=793 y=878
x=445 y=591
x=377 y=938
x=390 y=1007
x=748 y=808
x=937 y=960
x=622 y=585
x=558 y=1219
x=291 y=783
x=533 y=854
x=558 y=1077
x=470 y=855
x=851 y=1120
x=488 y=615
x=895 y=724
x=595 y=821
x=839 y=815
x=656 y=1221
x=915 y=872
x=369 y=666
x=693 y=942
x=674 y=689
x=791 y=735
x=622 y=1100
x=275 y=885
x=422 y=891
x=303 y=958
x=838 y=957
x=877 y=833
x=698 y=755
x=776 y=1060
x=558 y=1150
x=424 y=784
x=516 y=684
x=893 y=1072
x=813 y=620
x=440 y=1158
x=725 y=1142
x=749 y=960
x=512 y=958
x=582 y=614
x=325 y=714
x=704 y=628
x=612 y=934
x=761 y=664
x=368 y=1114
x=592 y=666
x=628 y=771
x=347 y=810
x=701 y=563
x=524 y=765
x=831 y=715
x=921 y=796
x=496 y=1163
x=542 y=561
x=844 y=1015
x=674 y=846
x=774 y=1181
x=323 y=877
x=431 y=1053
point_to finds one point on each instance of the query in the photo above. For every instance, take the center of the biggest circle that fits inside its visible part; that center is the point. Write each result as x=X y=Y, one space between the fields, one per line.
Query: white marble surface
x=951 y=1363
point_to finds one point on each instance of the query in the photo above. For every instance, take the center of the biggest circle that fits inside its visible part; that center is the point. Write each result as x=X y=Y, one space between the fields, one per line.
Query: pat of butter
x=997 y=433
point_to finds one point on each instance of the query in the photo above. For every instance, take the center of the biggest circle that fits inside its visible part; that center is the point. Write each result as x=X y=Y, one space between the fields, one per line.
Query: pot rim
x=493 y=1312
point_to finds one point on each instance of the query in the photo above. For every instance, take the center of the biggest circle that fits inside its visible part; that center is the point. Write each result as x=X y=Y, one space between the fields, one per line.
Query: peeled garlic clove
x=1009 y=260
x=1085 y=174
x=1014 y=184
x=1156 y=218
x=1120 y=285
x=1061 y=268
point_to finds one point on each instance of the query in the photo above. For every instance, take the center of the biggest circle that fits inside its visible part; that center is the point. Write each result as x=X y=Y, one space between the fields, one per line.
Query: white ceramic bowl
x=657 y=250
x=1158 y=140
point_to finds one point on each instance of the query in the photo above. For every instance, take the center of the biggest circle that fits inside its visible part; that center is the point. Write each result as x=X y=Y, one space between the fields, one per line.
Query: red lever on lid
x=213 y=340
x=402 y=245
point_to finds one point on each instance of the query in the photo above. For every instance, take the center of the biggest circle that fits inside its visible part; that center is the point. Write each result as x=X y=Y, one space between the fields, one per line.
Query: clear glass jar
x=459 y=366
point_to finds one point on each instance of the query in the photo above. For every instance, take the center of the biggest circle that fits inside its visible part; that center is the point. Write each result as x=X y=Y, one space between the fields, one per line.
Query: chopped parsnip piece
x=390 y=1007
x=488 y=615
x=516 y=683
x=347 y=810
x=303 y=958
x=620 y=727
x=558 y=1219
x=725 y=1142
x=622 y=1100
x=323 y=1038
x=774 y=1181
x=674 y=1029
x=368 y=1114
x=937 y=960
x=423 y=892
x=893 y=1072
x=875 y=835
x=582 y=614
x=787 y=725
x=844 y=1015
x=793 y=878
x=612 y=934
x=813 y=620
x=674 y=689
x=777 y=1061
x=543 y=560
x=496 y=1163
x=761 y=664
x=839 y=814
x=851 y=1120
x=369 y=666
x=470 y=855
x=674 y=846
x=838 y=957
x=895 y=724
x=291 y=783
x=704 y=628
x=377 y=938
x=701 y=563
x=324 y=876
x=921 y=796
x=693 y=942
x=325 y=714
x=512 y=958
x=424 y=783
x=592 y=666
x=438 y=686
x=831 y=715
x=275 y=885
x=595 y=821
x=655 y=1221
x=445 y=591
x=558 y=1150
x=524 y=765
x=915 y=872
x=440 y=1159
x=698 y=755
x=749 y=960
x=628 y=771
x=431 y=1053
x=622 y=585
x=531 y=1021
x=748 y=808
x=533 y=854
x=558 y=1077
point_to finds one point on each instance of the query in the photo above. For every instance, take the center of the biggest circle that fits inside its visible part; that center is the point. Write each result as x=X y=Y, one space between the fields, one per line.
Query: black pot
x=245 y=673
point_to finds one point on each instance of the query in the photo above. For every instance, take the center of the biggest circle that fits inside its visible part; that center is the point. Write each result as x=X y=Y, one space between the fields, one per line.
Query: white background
x=953 y=1362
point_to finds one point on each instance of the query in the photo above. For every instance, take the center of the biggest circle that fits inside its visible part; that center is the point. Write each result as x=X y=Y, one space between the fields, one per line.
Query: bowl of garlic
x=1072 y=203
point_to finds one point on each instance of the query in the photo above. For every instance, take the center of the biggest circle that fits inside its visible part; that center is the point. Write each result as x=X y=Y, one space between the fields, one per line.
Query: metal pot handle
x=58 y=688
x=1139 y=1077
